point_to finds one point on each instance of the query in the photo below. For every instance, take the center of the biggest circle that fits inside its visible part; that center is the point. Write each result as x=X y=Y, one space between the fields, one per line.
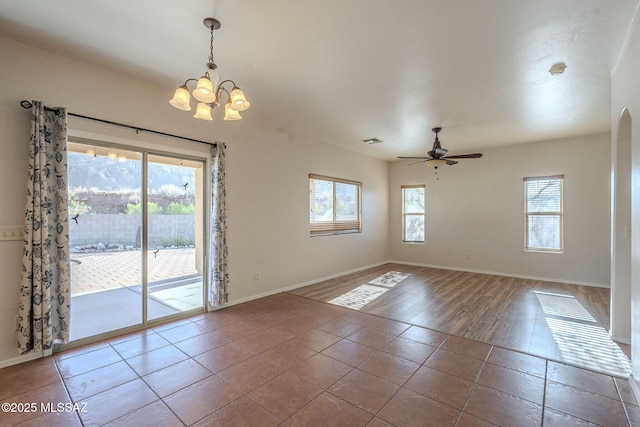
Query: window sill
x=335 y=233
x=545 y=251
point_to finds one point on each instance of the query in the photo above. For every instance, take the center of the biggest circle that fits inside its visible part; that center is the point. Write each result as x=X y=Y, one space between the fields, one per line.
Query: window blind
x=413 y=213
x=543 y=213
x=334 y=205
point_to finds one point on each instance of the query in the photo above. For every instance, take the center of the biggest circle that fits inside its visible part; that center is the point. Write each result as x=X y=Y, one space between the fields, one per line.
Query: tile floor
x=286 y=360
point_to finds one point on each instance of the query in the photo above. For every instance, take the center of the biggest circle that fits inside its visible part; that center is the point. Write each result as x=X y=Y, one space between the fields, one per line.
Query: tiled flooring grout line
x=473 y=386
x=390 y=398
x=142 y=379
x=450 y=335
x=138 y=376
x=439 y=347
x=333 y=316
x=624 y=404
x=66 y=389
x=326 y=389
x=544 y=390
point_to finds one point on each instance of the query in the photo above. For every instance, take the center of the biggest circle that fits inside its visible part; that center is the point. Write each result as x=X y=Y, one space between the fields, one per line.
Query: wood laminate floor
x=563 y=322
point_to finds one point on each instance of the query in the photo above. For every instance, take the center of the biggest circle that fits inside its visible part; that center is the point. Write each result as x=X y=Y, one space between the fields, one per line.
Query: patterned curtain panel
x=44 y=286
x=219 y=253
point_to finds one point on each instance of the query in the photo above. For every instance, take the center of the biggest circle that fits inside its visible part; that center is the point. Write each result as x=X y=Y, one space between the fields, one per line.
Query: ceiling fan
x=438 y=156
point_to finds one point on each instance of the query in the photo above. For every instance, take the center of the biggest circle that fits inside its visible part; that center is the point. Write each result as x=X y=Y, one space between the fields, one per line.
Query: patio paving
x=97 y=271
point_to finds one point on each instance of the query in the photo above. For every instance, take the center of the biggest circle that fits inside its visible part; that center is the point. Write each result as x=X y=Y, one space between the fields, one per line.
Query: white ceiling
x=342 y=71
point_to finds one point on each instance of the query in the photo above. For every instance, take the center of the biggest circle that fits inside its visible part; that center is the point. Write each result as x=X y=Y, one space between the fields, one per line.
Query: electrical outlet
x=11 y=233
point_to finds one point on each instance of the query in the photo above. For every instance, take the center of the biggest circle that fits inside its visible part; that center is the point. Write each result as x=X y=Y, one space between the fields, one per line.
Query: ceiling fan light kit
x=437 y=157
x=208 y=91
x=436 y=163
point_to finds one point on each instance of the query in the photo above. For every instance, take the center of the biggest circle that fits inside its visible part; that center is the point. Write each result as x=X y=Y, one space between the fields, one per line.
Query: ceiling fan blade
x=465 y=156
x=451 y=162
x=421 y=157
x=419 y=161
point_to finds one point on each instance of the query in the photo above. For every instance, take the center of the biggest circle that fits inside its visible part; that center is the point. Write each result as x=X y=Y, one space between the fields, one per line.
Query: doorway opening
x=621 y=234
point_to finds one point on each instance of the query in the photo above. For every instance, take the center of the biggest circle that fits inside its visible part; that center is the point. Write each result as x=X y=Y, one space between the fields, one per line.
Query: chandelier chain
x=211 y=47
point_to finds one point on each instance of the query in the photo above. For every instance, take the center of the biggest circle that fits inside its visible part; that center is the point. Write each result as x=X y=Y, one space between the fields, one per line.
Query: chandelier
x=208 y=92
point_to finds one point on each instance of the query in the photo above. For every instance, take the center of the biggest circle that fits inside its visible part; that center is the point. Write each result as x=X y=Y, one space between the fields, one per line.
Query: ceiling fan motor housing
x=438 y=155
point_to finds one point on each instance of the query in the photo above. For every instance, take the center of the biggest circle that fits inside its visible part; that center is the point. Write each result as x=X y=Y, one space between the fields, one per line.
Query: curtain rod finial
x=25 y=104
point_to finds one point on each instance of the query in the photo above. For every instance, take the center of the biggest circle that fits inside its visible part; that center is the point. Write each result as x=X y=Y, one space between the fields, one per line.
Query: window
x=334 y=205
x=413 y=213
x=543 y=213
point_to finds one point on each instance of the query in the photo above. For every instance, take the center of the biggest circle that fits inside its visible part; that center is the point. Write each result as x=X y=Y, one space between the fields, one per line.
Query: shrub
x=136 y=208
x=177 y=208
x=78 y=207
x=176 y=241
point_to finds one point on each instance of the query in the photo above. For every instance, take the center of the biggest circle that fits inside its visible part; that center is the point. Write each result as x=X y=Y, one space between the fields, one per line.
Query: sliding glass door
x=174 y=237
x=136 y=237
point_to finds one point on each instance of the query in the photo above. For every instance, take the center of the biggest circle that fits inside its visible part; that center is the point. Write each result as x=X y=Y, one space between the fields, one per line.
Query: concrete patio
x=106 y=291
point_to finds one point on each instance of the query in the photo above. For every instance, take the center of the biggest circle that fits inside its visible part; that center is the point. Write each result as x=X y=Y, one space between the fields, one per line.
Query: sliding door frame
x=205 y=239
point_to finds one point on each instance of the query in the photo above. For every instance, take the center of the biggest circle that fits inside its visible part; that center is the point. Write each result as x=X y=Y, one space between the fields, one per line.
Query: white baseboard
x=301 y=285
x=621 y=340
x=635 y=386
x=442 y=267
x=496 y=273
x=25 y=358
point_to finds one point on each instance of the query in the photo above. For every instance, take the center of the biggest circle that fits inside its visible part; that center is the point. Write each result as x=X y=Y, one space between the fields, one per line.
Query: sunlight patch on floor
x=358 y=297
x=579 y=337
x=563 y=305
x=364 y=294
x=389 y=279
x=182 y=298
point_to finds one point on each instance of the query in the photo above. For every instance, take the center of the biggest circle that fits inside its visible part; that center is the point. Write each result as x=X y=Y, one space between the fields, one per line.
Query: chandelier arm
x=225 y=81
x=218 y=94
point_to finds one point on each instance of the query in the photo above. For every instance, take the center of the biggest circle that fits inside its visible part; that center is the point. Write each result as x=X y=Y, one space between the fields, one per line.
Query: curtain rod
x=26 y=105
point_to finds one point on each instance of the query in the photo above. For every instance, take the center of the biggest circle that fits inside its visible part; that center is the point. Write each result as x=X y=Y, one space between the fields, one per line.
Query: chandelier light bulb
x=230 y=113
x=238 y=100
x=181 y=98
x=204 y=90
x=203 y=112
